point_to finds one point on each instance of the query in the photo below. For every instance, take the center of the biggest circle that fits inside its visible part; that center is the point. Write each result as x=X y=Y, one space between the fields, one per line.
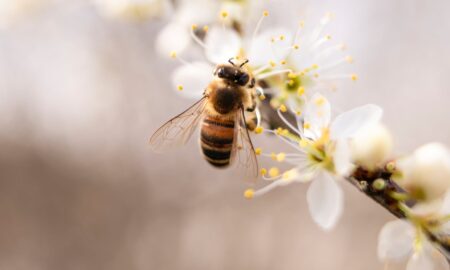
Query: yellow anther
x=262 y=97
x=298 y=113
x=258 y=151
x=259 y=130
x=274 y=172
x=283 y=62
x=280 y=157
x=272 y=63
x=263 y=171
x=354 y=77
x=282 y=37
x=328 y=37
x=301 y=91
x=173 y=54
x=303 y=143
x=288 y=175
x=301 y=24
x=390 y=167
x=205 y=28
x=301 y=74
x=273 y=156
x=349 y=59
x=278 y=131
x=224 y=14
x=265 y=13
x=296 y=47
x=316 y=75
x=290 y=82
x=272 y=39
x=283 y=108
x=180 y=87
x=319 y=101
x=315 y=66
x=194 y=27
x=306 y=125
x=285 y=132
x=292 y=75
x=249 y=193
x=306 y=70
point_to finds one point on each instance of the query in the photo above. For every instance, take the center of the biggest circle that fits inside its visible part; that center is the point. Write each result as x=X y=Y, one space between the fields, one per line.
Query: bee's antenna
x=243 y=64
x=231 y=62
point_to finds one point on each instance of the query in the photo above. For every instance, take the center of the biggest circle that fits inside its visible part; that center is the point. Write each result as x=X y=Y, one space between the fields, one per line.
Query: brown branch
x=364 y=180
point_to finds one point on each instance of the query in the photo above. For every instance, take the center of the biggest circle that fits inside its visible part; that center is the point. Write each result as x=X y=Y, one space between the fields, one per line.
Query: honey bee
x=220 y=113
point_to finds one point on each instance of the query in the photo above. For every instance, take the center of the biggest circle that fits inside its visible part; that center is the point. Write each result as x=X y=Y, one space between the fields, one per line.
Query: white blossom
x=322 y=155
x=132 y=9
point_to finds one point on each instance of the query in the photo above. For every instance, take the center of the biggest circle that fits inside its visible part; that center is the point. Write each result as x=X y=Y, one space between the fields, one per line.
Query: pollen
x=282 y=37
x=285 y=132
x=272 y=63
x=319 y=101
x=224 y=14
x=303 y=143
x=283 y=108
x=205 y=28
x=278 y=131
x=283 y=62
x=273 y=156
x=263 y=171
x=296 y=47
x=180 y=87
x=249 y=193
x=262 y=97
x=173 y=54
x=194 y=27
x=306 y=125
x=349 y=59
x=316 y=75
x=354 y=77
x=265 y=13
x=328 y=37
x=259 y=130
x=315 y=66
x=292 y=75
x=298 y=113
x=274 y=172
x=301 y=91
x=258 y=151
x=301 y=24
x=390 y=167
x=290 y=83
x=272 y=39
x=280 y=157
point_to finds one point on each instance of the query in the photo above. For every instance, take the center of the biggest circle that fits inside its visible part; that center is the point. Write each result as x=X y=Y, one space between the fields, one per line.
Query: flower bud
x=371 y=146
x=426 y=174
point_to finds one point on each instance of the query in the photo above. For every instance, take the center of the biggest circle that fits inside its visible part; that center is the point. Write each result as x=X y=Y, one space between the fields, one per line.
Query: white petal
x=197 y=12
x=222 y=44
x=193 y=78
x=173 y=37
x=428 y=258
x=261 y=49
x=395 y=240
x=342 y=158
x=445 y=209
x=348 y=123
x=317 y=116
x=325 y=201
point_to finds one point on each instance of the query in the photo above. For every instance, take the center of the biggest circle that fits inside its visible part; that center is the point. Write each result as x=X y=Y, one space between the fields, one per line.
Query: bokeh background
x=81 y=92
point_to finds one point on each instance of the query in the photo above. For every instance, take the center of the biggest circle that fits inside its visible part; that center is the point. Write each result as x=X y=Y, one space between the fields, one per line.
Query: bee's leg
x=253 y=106
x=250 y=122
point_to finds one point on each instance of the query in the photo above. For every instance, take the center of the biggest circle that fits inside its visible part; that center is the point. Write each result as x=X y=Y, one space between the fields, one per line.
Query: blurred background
x=81 y=91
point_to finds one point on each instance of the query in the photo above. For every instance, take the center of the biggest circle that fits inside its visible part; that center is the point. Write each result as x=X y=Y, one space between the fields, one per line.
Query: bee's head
x=232 y=73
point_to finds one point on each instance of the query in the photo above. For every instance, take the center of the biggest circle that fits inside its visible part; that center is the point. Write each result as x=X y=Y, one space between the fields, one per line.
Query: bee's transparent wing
x=243 y=152
x=178 y=130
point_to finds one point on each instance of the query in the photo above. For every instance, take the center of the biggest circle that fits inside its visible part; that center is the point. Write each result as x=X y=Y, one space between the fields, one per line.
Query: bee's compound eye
x=221 y=72
x=243 y=79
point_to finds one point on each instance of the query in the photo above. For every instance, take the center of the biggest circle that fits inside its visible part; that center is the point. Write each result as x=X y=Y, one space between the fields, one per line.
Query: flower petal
x=317 y=116
x=325 y=201
x=428 y=258
x=262 y=49
x=173 y=37
x=197 y=12
x=342 y=158
x=222 y=44
x=193 y=78
x=348 y=123
x=395 y=240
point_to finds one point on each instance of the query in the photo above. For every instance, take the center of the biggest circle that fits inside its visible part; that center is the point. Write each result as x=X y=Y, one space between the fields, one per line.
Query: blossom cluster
x=294 y=69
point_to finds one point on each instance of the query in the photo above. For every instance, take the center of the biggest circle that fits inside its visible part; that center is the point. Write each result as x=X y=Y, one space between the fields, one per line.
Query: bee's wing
x=178 y=130
x=243 y=152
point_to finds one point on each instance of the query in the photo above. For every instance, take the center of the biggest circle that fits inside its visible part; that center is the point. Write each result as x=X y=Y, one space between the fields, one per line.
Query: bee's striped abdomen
x=216 y=140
